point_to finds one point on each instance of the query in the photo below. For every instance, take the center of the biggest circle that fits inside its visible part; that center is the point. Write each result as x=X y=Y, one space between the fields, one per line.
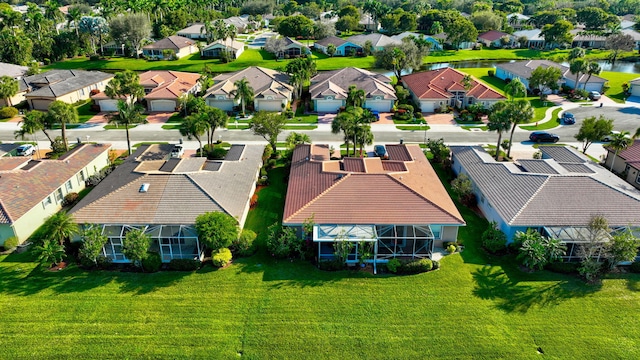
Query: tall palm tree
x=214 y=118
x=578 y=67
x=355 y=96
x=128 y=114
x=32 y=122
x=593 y=68
x=52 y=12
x=515 y=89
x=63 y=113
x=74 y=15
x=364 y=136
x=243 y=92
x=8 y=88
x=520 y=112
x=499 y=121
x=345 y=122
x=60 y=227
x=619 y=141
x=467 y=83
x=194 y=126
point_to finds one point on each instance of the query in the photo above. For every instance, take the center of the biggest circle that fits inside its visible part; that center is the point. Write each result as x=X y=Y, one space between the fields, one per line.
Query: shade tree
x=216 y=230
x=268 y=125
x=135 y=246
x=545 y=79
x=593 y=129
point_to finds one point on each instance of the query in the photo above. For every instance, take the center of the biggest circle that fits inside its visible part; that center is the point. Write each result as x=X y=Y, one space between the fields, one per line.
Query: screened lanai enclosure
x=389 y=241
x=170 y=241
x=573 y=237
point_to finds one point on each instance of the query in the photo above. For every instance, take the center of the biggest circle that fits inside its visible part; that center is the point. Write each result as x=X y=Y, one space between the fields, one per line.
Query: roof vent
x=144 y=188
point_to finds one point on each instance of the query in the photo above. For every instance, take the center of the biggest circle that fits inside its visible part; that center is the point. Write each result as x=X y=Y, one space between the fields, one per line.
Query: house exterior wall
x=6 y=231
x=633 y=177
x=635 y=89
x=38 y=102
x=449 y=233
x=186 y=51
x=34 y=218
x=591 y=85
x=14 y=100
x=503 y=75
x=619 y=165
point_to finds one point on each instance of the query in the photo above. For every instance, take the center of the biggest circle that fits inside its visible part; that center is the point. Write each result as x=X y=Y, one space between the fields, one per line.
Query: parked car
x=568 y=118
x=594 y=95
x=612 y=134
x=177 y=151
x=25 y=150
x=380 y=151
x=543 y=136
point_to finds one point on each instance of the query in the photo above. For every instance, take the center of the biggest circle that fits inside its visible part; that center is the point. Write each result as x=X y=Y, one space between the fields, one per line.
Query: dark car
x=543 y=136
x=380 y=151
x=568 y=118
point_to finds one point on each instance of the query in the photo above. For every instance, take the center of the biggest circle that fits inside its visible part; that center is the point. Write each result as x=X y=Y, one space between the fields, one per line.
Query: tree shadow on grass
x=22 y=277
x=492 y=283
x=633 y=283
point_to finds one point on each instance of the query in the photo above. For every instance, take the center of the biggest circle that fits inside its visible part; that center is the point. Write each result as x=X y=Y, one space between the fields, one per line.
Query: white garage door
x=635 y=90
x=226 y=105
x=594 y=87
x=378 y=105
x=426 y=106
x=163 y=105
x=269 y=105
x=40 y=104
x=108 y=105
x=328 y=106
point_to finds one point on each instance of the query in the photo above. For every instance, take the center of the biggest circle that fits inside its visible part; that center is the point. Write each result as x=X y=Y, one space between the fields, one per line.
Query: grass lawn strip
x=553 y=122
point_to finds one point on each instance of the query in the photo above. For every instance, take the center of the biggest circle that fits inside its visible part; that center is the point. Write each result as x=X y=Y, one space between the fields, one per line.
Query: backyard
x=476 y=306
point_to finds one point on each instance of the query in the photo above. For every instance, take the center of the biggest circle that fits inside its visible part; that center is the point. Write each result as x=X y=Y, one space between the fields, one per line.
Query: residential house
x=69 y=86
x=163 y=196
x=378 y=41
x=435 y=43
x=634 y=87
x=517 y=21
x=367 y=22
x=343 y=47
x=195 y=31
x=408 y=214
x=635 y=35
x=493 y=38
x=15 y=72
x=163 y=90
x=329 y=89
x=442 y=38
x=626 y=163
x=587 y=40
x=534 y=39
x=216 y=48
x=523 y=69
x=180 y=46
x=557 y=195
x=627 y=22
x=292 y=48
x=113 y=49
x=271 y=89
x=432 y=90
x=33 y=189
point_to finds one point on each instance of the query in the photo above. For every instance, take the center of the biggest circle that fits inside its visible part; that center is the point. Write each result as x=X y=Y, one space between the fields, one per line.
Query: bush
x=282 y=242
x=635 y=267
x=331 y=265
x=215 y=152
x=266 y=154
x=563 y=267
x=451 y=249
x=70 y=199
x=8 y=112
x=243 y=245
x=436 y=264
x=94 y=57
x=221 y=257
x=104 y=262
x=493 y=239
x=393 y=265
x=10 y=243
x=152 y=262
x=416 y=267
x=184 y=265
x=491 y=73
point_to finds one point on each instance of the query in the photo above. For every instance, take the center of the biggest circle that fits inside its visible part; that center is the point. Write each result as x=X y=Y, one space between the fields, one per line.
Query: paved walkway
x=159 y=117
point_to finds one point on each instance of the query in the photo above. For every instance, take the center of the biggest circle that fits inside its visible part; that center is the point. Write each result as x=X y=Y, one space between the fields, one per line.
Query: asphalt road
x=627 y=118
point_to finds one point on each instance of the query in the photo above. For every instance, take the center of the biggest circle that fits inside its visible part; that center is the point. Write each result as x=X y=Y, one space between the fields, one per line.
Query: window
x=81 y=177
x=68 y=186
x=46 y=202
x=638 y=178
x=59 y=196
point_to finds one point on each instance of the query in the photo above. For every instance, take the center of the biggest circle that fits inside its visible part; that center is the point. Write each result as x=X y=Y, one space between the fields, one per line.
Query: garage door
x=594 y=87
x=378 y=105
x=426 y=106
x=163 y=105
x=269 y=105
x=328 y=106
x=226 y=105
x=40 y=104
x=635 y=90
x=108 y=105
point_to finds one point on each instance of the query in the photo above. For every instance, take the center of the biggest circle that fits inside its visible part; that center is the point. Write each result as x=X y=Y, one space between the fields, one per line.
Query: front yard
x=476 y=306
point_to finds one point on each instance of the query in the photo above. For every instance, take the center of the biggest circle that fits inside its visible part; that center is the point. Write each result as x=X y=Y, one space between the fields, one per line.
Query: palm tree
x=50 y=253
x=578 y=67
x=364 y=136
x=576 y=53
x=637 y=134
x=520 y=112
x=128 y=114
x=499 y=121
x=63 y=113
x=214 y=118
x=32 y=122
x=60 y=227
x=8 y=88
x=74 y=15
x=515 y=89
x=345 y=122
x=125 y=84
x=52 y=12
x=593 y=68
x=619 y=141
x=355 y=96
x=243 y=92
x=194 y=126
x=467 y=83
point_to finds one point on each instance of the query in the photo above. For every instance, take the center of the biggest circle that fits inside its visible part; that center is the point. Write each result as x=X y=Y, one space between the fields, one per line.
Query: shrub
x=70 y=199
x=563 y=267
x=266 y=154
x=416 y=267
x=272 y=163
x=331 y=265
x=152 y=262
x=282 y=241
x=8 y=112
x=491 y=73
x=436 y=264
x=184 y=265
x=393 y=265
x=215 y=152
x=94 y=57
x=493 y=239
x=10 y=243
x=243 y=245
x=635 y=267
x=451 y=249
x=221 y=257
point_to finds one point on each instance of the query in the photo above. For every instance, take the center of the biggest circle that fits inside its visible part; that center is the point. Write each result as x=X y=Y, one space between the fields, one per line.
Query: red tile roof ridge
x=342 y=178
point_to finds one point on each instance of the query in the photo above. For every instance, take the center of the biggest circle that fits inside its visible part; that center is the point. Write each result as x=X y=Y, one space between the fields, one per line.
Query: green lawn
x=413 y=127
x=85 y=113
x=550 y=124
x=616 y=79
x=261 y=308
x=508 y=54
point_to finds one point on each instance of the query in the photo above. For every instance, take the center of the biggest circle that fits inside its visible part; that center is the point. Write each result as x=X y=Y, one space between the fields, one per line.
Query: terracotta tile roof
x=337 y=82
x=179 y=189
x=173 y=42
x=435 y=84
x=414 y=196
x=168 y=84
x=12 y=163
x=21 y=190
x=492 y=35
x=631 y=153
